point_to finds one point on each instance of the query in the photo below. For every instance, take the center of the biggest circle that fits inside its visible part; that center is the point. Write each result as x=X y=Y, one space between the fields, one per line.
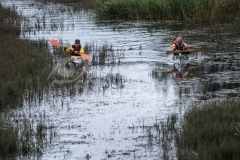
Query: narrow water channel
x=109 y=121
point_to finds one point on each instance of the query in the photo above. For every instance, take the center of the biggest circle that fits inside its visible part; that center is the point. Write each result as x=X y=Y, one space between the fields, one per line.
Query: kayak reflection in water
x=180 y=74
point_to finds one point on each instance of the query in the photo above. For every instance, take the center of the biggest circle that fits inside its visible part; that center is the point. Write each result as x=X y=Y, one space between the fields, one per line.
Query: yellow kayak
x=76 y=57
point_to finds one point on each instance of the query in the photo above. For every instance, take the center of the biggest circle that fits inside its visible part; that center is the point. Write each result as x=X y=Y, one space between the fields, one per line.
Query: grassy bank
x=210 y=132
x=24 y=67
x=25 y=64
x=191 y=11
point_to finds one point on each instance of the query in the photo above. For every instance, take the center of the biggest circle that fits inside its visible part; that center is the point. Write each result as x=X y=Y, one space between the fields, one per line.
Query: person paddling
x=75 y=50
x=179 y=45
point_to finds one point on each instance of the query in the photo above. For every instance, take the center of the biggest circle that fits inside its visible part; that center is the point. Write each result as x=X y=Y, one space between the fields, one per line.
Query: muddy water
x=109 y=121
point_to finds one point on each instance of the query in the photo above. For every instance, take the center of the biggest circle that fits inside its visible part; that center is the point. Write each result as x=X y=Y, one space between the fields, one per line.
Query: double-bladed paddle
x=188 y=51
x=56 y=43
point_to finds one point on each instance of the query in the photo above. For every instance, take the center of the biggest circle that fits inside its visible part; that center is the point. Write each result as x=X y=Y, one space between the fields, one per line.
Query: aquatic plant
x=238 y=129
x=23 y=138
x=190 y=11
x=25 y=65
x=208 y=132
x=162 y=134
x=104 y=54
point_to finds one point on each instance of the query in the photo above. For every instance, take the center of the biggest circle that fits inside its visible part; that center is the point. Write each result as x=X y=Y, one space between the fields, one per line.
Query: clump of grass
x=24 y=67
x=191 y=11
x=25 y=64
x=238 y=129
x=23 y=138
x=103 y=55
x=8 y=141
x=209 y=132
x=162 y=134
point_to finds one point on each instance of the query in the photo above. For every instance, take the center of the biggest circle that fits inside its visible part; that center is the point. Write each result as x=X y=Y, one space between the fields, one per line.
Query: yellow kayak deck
x=76 y=57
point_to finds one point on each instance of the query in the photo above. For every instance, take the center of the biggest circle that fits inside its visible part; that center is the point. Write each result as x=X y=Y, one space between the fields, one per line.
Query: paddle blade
x=55 y=43
x=85 y=56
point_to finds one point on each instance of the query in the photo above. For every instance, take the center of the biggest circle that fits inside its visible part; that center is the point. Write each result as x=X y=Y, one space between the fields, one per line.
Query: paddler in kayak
x=179 y=45
x=75 y=50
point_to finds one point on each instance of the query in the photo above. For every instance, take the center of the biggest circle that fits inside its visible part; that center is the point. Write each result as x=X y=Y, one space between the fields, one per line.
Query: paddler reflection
x=181 y=71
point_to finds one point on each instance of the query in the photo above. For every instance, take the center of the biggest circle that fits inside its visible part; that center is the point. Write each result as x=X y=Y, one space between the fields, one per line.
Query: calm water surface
x=107 y=122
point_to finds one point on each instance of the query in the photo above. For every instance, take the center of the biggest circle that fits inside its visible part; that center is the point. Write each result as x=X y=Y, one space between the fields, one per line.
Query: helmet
x=77 y=41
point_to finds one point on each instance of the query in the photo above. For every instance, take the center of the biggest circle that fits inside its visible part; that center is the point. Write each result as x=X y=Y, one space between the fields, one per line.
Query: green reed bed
x=210 y=132
x=24 y=139
x=25 y=64
x=24 y=67
x=191 y=11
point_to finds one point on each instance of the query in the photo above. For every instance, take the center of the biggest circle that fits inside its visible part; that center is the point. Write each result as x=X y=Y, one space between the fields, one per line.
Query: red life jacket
x=180 y=48
x=76 y=49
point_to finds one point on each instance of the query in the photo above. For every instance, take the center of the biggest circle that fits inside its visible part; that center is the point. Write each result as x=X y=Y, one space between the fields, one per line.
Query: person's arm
x=82 y=50
x=185 y=46
x=173 y=47
x=67 y=50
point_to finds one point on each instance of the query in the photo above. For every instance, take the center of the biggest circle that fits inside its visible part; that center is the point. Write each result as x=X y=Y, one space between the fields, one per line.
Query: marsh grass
x=238 y=129
x=23 y=138
x=24 y=67
x=24 y=63
x=104 y=55
x=209 y=132
x=162 y=135
x=190 y=11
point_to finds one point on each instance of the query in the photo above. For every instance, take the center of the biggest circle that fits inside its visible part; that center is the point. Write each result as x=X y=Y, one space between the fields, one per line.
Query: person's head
x=179 y=40
x=77 y=42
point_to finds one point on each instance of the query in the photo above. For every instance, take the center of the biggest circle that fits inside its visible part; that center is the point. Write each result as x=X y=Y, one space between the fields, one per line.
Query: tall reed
x=25 y=64
x=191 y=11
x=209 y=132
x=24 y=67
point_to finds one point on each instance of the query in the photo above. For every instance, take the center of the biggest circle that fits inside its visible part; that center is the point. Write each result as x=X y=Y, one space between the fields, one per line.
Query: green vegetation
x=238 y=129
x=190 y=11
x=23 y=139
x=209 y=132
x=24 y=67
x=25 y=64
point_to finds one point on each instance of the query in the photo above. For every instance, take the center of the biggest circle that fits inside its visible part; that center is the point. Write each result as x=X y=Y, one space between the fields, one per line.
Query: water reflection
x=141 y=86
x=180 y=71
